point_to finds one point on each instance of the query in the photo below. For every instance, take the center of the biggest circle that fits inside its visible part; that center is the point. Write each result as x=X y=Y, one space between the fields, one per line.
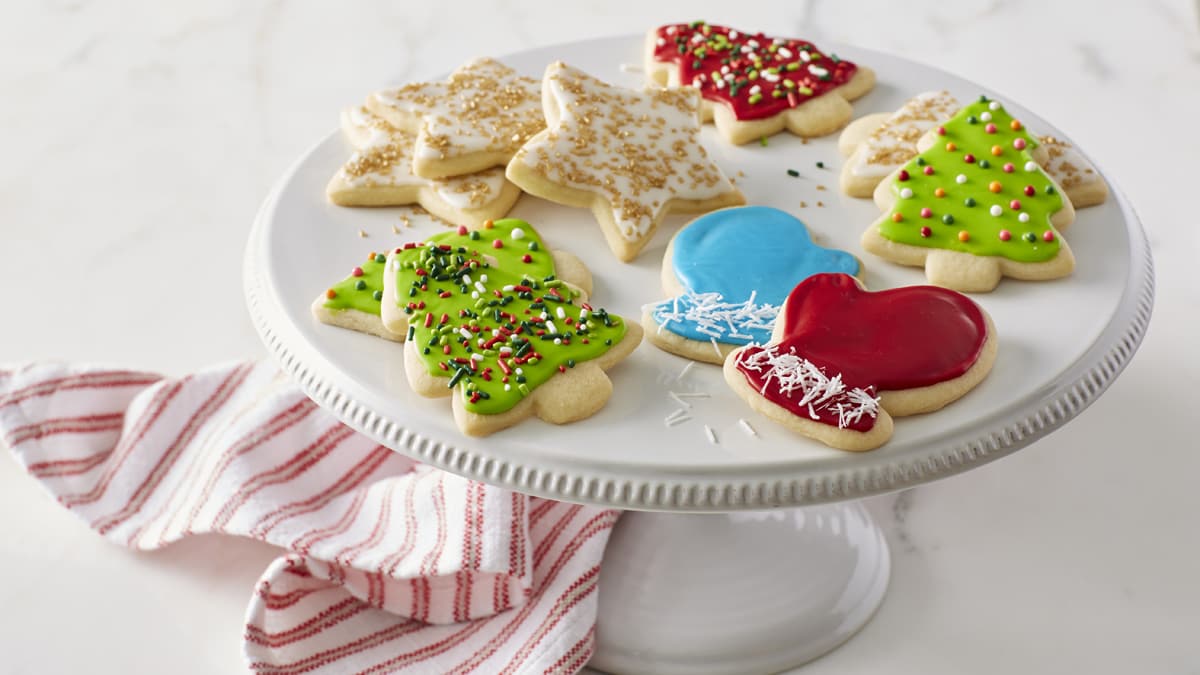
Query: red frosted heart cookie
x=843 y=361
x=753 y=84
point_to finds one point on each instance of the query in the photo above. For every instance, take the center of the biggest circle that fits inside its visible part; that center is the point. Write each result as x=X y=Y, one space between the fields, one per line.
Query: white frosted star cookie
x=379 y=173
x=473 y=121
x=878 y=144
x=631 y=156
x=1074 y=173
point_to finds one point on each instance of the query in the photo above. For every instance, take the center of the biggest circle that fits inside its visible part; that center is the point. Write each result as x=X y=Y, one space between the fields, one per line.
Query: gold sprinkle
x=395 y=230
x=821 y=204
x=803 y=204
x=362 y=234
x=821 y=188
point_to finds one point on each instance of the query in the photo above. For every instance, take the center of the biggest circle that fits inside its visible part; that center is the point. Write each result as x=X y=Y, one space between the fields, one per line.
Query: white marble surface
x=139 y=138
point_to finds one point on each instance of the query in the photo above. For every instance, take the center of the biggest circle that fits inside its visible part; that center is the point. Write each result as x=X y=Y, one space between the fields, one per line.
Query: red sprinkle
x=926 y=212
x=1019 y=143
x=1015 y=205
x=1008 y=167
x=420 y=272
x=1030 y=191
x=522 y=289
x=428 y=319
x=929 y=171
x=407 y=246
x=903 y=175
x=443 y=366
x=357 y=272
x=462 y=229
x=925 y=231
x=525 y=258
x=444 y=294
x=496 y=243
x=445 y=349
x=562 y=369
x=969 y=158
x=990 y=128
x=1005 y=235
x=421 y=305
x=1048 y=236
x=941 y=131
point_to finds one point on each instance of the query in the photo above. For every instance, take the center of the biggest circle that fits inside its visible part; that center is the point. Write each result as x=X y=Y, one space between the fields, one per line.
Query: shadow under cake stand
x=750 y=554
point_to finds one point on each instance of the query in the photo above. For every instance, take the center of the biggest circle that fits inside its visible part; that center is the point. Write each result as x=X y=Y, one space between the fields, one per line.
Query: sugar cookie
x=843 y=362
x=473 y=121
x=974 y=206
x=729 y=272
x=354 y=301
x=379 y=173
x=889 y=142
x=492 y=313
x=631 y=156
x=1070 y=169
x=754 y=85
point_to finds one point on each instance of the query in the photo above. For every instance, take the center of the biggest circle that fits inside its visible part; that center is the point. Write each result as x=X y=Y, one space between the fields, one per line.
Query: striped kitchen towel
x=391 y=565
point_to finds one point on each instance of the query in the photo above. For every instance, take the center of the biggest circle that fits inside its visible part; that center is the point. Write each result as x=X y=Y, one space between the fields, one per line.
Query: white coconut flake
x=809 y=387
x=747 y=428
x=712 y=435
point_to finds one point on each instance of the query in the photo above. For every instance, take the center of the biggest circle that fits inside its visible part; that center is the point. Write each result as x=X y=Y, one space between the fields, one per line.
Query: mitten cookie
x=755 y=85
x=494 y=319
x=842 y=361
x=379 y=173
x=729 y=272
x=974 y=206
x=876 y=145
x=354 y=302
x=473 y=121
x=630 y=156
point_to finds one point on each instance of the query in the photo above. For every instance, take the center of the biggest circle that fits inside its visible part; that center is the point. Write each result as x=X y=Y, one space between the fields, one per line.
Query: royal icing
x=895 y=141
x=977 y=190
x=484 y=107
x=486 y=311
x=754 y=75
x=1069 y=168
x=842 y=345
x=639 y=149
x=384 y=158
x=736 y=267
x=362 y=290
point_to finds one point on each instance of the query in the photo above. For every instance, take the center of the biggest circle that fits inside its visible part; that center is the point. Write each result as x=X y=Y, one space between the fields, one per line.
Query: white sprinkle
x=808 y=386
x=1031 y=166
x=747 y=428
x=717 y=348
x=693 y=394
x=679 y=412
x=733 y=34
x=996 y=210
x=986 y=117
x=551 y=327
x=1024 y=217
x=508 y=288
x=583 y=314
x=558 y=341
x=477 y=357
x=517 y=233
x=756 y=89
x=679 y=420
x=712 y=435
x=679 y=400
x=960 y=178
x=994 y=105
x=465 y=333
x=474 y=295
x=686 y=369
x=508 y=387
x=480 y=287
x=506 y=351
x=483 y=278
x=562 y=313
x=906 y=193
x=466 y=278
x=519 y=371
x=817 y=70
x=784 y=52
x=769 y=76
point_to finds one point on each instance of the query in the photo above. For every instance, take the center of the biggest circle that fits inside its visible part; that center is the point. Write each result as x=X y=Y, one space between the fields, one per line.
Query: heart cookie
x=843 y=361
x=728 y=273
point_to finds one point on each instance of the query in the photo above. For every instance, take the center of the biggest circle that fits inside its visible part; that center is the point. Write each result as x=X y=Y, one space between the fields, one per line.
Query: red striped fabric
x=390 y=565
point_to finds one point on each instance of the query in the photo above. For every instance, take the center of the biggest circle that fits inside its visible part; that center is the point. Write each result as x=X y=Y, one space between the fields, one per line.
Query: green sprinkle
x=984 y=164
x=1029 y=237
x=380 y=258
x=969 y=201
x=763 y=140
x=754 y=98
x=820 y=165
x=458 y=375
x=474 y=235
x=360 y=285
x=1049 y=189
x=920 y=161
x=412 y=330
x=983 y=99
x=971 y=119
x=792 y=67
x=570 y=363
x=377 y=295
x=793 y=173
x=778 y=93
x=533 y=246
x=948 y=219
x=523 y=389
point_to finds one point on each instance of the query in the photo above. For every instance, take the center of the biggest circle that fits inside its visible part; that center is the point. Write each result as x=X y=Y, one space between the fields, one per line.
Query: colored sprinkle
x=763 y=139
x=820 y=165
x=793 y=173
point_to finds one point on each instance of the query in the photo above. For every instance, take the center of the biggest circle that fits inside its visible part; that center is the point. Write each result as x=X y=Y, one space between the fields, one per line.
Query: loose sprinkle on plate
x=712 y=435
x=747 y=428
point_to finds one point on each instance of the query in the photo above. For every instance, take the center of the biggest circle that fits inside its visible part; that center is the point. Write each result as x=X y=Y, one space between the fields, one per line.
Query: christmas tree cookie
x=496 y=320
x=755 y=85
x=842 y=362
x=354 y=301
x=728 y=272
x=380 y=173
x=974 y=206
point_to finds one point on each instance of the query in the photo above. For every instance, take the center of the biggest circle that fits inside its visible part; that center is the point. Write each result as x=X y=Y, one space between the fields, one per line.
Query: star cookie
x=379 y=173
x=631 y=156
x=1078 y=178
x=729 y=272
x=843 y=361
x=473 y=121
x=755 y=85
x=878 y=144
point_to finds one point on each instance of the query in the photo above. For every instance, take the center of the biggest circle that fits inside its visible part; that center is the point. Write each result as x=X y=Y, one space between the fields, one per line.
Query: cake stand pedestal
x=743 y=592
x=758 y=557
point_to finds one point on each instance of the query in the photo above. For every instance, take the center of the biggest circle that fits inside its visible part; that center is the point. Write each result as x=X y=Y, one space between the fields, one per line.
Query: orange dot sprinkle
x=995 y=186
x=951 y=147
x=963 y=235
x=939 y=193
x=371 y=257
x=488 y=224
x=1016 y=125
x=896 y=217
x=331 y=294
x=997 y=150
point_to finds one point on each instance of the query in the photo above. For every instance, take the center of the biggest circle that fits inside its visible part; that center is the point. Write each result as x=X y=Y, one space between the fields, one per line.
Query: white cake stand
x=748 y=554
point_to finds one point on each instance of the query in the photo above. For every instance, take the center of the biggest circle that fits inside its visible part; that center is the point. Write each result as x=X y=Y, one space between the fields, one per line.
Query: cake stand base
x=748 y=592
